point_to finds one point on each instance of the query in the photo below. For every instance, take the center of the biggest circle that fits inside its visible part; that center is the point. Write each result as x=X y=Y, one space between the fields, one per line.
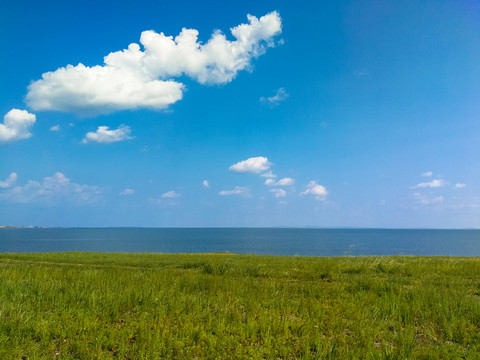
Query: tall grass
x=224 y=306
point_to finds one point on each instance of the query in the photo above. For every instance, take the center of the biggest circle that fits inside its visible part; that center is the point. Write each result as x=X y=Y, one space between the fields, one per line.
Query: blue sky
x=350 y=114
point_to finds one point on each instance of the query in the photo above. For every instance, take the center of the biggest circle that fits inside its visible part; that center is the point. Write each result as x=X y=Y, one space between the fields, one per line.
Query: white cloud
x=361 y=72
x=100 y=90
x=135 y=78
x=166 y=200
x=269 y=182
x=105 y=136
x=205 y=183
x=470 y=205
x=238 y=190
x=282 y=182
x=252 y=165
x=427 y=174
x=269 y=174
x=459 y=186
x=171 y=195
x=286 y=182
x=127 y=192
x=319 y=191
x=16 y=126
x=55 y=189
x=9 y=181
x=425 y=200
x=55 y=128
x=278 y=193
x=280 y=95
x=431 y=184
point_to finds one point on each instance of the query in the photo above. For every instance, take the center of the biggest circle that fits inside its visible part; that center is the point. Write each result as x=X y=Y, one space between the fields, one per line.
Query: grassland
x=224 y=306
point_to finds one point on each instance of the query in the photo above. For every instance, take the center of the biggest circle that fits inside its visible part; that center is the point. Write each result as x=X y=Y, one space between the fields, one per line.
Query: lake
x=272 y=241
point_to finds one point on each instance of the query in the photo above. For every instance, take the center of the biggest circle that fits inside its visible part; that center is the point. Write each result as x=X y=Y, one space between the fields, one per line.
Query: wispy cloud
x=459 y=186
x=427 y=174
x=16 y=126
x=55 y=128
x=171 y=195
x=270 y=182
x=286 y=182
x=426 y=200
x=269 y=174
x=104 y=135
x=56 y=189
x=278 y=193
x=127 y=192
x=251 y=165
x=282 y=182
x=9 y=181
x=238 y=190
x=431 y=184
x=205 y=183
x=168 y=199
x=319 y=191
x=361 y=73
x=280 y=95
x=134 y=78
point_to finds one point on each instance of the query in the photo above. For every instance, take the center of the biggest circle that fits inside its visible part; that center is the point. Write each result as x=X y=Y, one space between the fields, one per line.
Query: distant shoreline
x=228 y=227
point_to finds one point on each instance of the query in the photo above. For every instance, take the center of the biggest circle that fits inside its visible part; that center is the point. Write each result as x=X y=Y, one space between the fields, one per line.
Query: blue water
x=304 y=242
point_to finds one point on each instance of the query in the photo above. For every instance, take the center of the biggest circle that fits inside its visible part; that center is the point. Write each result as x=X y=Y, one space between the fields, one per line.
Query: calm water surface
x=274 y=241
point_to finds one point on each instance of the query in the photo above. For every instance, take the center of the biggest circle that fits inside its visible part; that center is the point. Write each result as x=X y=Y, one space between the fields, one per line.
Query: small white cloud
x=285 y=182
x=166 y=200
x=427 y=174
x=469 y=205
x=9 y=181
x=55 y=128
x=251 y=165
x=360 y=73
x=16 y=126
x=459 y=186
x=278 y=193
x=127 y=192
x=437 y=199
x=269 y=174
x=282 y=182
x=105 y=136
x=205 y=183
x=319 y=191
x=280 y=95
x=431 y=184
x=425 y=200
x=171 y=195
x=142 y=78
x=269 y=182
x=55 y=189
x=238 y=190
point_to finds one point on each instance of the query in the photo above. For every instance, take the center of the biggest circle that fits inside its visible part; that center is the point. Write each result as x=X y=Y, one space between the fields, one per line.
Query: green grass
x=225 y=306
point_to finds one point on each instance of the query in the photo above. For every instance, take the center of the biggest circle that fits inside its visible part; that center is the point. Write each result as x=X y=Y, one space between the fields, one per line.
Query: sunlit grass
x=225 y=306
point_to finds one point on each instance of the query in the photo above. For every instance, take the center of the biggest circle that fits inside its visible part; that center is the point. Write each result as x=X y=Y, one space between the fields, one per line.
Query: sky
x=248 y=114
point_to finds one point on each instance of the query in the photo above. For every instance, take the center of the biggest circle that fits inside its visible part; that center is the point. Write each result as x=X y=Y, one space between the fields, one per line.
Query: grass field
x=225 y=306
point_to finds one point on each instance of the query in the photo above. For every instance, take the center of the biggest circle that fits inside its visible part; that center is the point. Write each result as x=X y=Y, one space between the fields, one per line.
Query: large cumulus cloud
x=144 y=78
